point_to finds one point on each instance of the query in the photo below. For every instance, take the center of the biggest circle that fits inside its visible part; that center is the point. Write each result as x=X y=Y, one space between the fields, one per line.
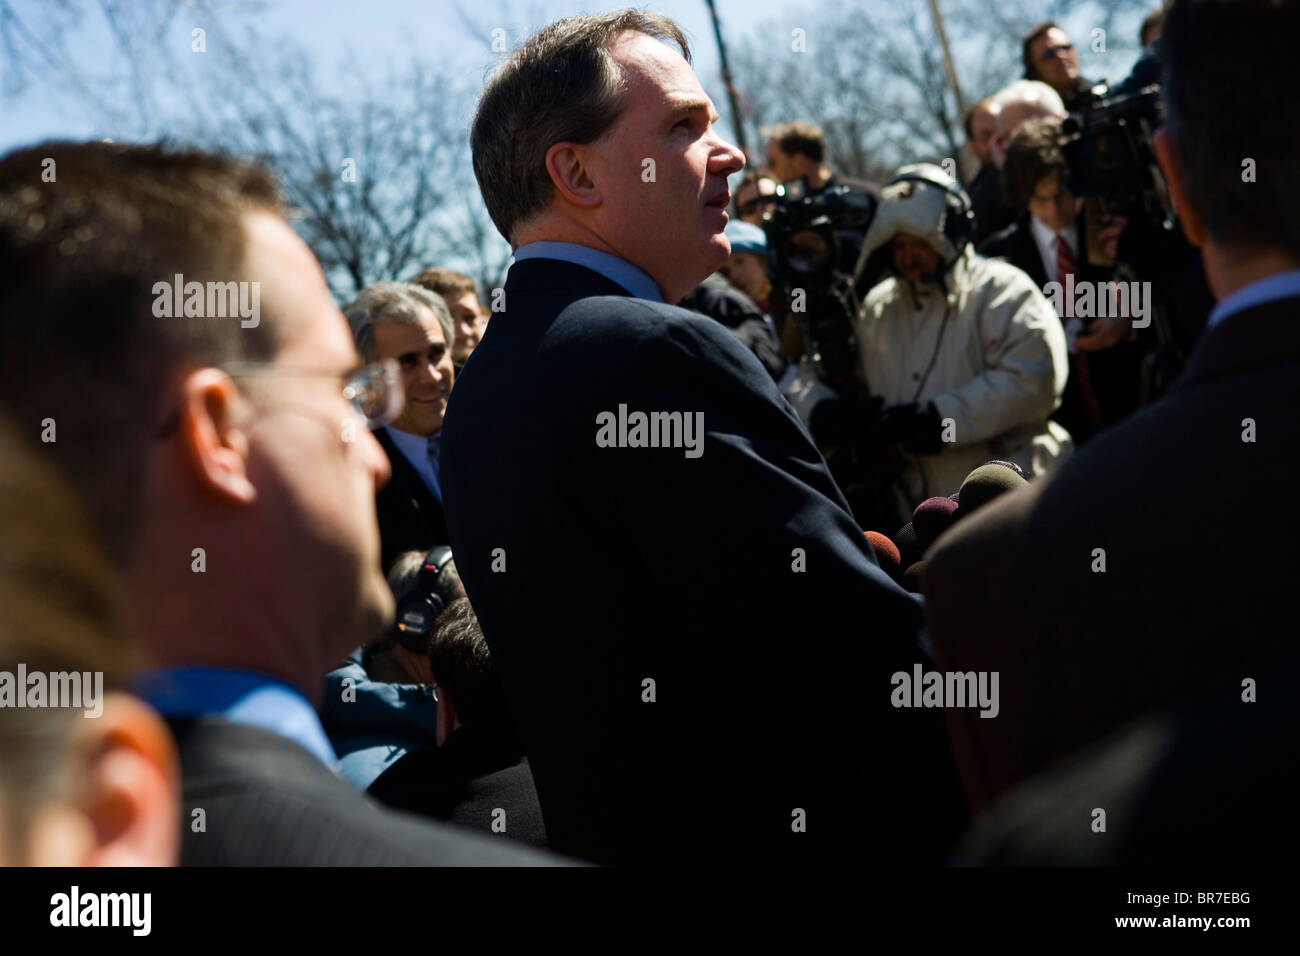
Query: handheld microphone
x=987 y=482
x=933 y=517
x=886 y=553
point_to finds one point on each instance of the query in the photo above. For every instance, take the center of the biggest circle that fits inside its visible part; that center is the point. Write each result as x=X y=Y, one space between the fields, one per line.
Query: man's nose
x=728 y=159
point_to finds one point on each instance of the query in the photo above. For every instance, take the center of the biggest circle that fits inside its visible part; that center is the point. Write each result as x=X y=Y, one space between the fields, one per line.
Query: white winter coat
x=999 y=367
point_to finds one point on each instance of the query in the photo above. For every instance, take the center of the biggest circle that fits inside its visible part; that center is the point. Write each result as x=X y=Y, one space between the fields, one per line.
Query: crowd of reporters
x=907 y=340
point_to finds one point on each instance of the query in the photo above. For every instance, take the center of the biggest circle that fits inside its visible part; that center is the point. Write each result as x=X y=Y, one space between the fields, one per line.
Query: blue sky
x=383 y=29
x=375 y=29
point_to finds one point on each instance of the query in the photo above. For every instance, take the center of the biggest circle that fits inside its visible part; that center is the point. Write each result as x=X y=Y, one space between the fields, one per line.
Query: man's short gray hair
x=399 y=302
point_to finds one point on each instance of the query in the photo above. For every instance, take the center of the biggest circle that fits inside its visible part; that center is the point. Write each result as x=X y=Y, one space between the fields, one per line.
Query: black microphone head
x=985 y=483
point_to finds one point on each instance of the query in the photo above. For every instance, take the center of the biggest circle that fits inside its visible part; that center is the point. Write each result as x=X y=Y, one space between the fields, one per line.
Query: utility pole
x=736 y=118
x=948 y=66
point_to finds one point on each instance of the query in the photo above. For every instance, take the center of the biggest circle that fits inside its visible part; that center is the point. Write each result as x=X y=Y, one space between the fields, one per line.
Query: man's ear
x=132 y=797
x=212 y=434
x=1193 y=228
x=998 y=150
x=125 y=811
x=565 y=163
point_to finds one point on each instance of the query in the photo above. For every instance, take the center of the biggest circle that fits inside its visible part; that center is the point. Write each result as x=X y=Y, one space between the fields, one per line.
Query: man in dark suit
x=1050 y=244
x=693 y=635
x=992 y=213
x=1221 y=769
x=411 y=326
x=235 y=486
x=1155 y=569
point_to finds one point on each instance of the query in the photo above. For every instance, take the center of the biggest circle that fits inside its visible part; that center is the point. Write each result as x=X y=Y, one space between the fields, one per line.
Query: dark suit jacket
x=1016 y=244
x=719 y=299
x=269 y=802
x=1196 y=529
x=410 y=517
x=992 y=211
x=697 y=651
x=1223 y=771
x=438 y=784
x=1115 y=372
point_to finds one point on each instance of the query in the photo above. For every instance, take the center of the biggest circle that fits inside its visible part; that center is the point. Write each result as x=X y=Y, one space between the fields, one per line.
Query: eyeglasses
x=1050 y=53
x=374 y=391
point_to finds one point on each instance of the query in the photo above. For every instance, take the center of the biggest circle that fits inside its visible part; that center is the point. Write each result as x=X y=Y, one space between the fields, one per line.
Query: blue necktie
x=435 y=446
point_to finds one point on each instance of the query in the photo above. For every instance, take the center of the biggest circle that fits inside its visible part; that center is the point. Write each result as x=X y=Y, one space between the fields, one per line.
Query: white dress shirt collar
x=1045 y=239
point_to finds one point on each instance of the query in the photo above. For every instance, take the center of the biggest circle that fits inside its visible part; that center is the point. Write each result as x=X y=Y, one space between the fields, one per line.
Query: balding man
x=1022 y=100
x=602 y=436
x=1008 y=108
x=992 y=213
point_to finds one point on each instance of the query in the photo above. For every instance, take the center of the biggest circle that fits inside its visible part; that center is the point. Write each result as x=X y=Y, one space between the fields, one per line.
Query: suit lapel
x=406 y=478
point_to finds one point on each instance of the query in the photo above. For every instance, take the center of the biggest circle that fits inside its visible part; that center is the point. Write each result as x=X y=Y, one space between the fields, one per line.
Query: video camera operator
x=810 y=234
x=1064 y=251
x=797 y=151
x=966 y=356
x=1049 y=56
x=1108 y=147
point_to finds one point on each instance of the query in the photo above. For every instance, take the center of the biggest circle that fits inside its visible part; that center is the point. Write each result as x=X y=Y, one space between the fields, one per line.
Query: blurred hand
x=1103 y=334
x=1108 y=235
x=916 y=427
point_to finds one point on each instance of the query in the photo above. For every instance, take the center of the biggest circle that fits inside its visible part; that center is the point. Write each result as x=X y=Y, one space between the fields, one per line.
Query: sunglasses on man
x=1050 y=53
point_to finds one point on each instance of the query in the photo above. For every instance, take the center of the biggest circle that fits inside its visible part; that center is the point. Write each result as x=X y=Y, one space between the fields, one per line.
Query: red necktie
x=1078 y=360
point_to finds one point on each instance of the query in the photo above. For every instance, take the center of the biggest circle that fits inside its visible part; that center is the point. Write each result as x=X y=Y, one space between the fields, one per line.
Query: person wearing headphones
x=418 y=718
x=381 y=702
x=966 y=356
